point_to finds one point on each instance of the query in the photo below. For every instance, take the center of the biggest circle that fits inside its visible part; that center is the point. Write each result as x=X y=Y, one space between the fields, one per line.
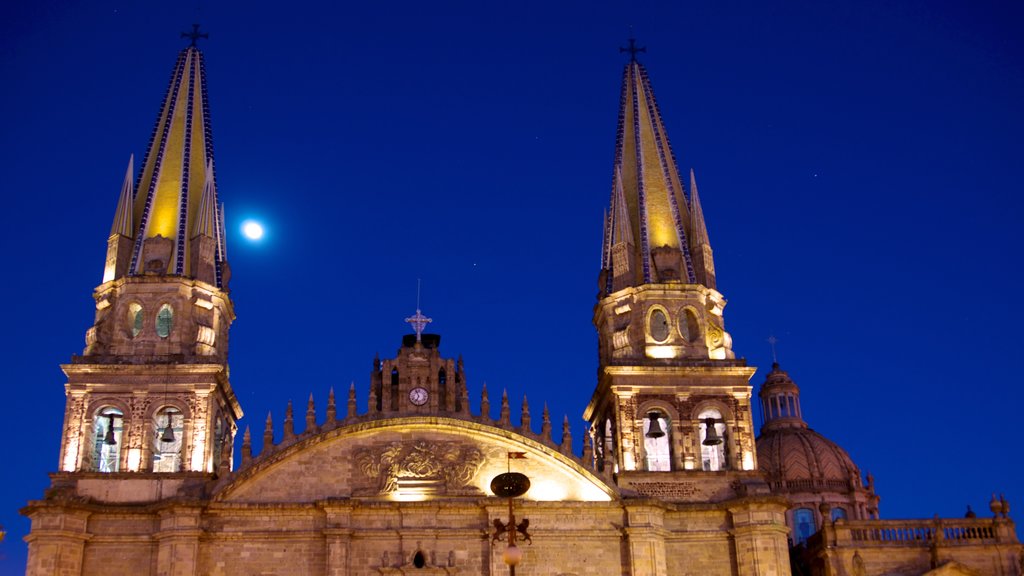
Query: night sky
x=859 y=164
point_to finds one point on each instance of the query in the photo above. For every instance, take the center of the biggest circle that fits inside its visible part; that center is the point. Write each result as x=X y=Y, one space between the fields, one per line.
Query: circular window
x=689 y=327
x=659 y=325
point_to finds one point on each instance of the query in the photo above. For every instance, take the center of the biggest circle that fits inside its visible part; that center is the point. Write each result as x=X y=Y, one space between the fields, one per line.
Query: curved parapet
x=409 y=459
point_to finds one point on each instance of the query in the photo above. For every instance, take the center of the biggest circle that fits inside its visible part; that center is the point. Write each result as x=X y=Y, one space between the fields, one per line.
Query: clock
x=418 y=396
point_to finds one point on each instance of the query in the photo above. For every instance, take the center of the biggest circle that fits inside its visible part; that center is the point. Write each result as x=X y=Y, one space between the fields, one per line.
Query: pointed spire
x=703 y=259
x=566 y=436
x=123 y=215
x=646 y=236
x=332 y=410
x=545 y=426
x=485 y=403
x=350 y=410
x=246 y=448
x=505 y=416
x=588 y=449
x=310 y=416
x=698 y=229
x=525 y=416
x=289 y=424
x=268 y=434
x=177 y=192
x=206 y=219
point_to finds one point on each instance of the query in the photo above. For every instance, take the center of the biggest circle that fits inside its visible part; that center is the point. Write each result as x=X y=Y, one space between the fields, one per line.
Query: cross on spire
x=772 y=340
x=418 y=320
x=195 y=34
x=633 y=49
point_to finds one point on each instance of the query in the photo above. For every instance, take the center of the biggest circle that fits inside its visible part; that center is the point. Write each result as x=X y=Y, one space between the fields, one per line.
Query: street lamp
x=511 y=485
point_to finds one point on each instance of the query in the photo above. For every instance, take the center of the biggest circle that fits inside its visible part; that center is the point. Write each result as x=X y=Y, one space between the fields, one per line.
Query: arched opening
x=135 y=318
x=657 y=442
x=442 y=389
x=803 y=525
x=167 y=431
x=838 y=513
x=712 y=440
x=164 y=321
x=419 y=560
x=219 y=438
x=108 y=425
x=394 y=388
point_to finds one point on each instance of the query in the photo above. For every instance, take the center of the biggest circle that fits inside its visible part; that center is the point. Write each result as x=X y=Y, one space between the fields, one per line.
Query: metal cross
x=195 y=34
x=772 y=340
x=633 y=50
x=419 y=322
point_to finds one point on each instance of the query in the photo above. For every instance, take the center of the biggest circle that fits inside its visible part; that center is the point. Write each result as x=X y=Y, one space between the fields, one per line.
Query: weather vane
x=418 y=320
x=633 y=50
x=195 y=34
x=772 y=340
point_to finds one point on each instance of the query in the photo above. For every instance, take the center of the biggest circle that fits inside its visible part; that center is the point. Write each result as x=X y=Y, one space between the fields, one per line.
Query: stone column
x=759 y=532
x=645 y=537
x=178 y=541
x=56 y=544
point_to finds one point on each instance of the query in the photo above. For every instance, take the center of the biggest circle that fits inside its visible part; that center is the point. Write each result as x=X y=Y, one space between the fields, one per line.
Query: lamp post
x=511 y=485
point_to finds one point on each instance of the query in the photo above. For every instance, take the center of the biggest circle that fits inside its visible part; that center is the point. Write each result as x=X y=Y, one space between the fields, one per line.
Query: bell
x=711 y=438
x=168 y=434
x=108 y=438
x=654 y=430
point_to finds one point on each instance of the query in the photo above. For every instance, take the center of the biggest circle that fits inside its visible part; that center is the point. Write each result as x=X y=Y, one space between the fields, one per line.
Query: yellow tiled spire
x=176 y=174
x=647 y=233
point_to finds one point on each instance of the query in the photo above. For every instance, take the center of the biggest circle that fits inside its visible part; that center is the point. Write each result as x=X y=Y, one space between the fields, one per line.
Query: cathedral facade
x=673 y=478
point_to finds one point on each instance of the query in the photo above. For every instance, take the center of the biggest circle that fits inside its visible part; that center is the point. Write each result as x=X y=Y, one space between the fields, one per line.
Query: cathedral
x=674 y=478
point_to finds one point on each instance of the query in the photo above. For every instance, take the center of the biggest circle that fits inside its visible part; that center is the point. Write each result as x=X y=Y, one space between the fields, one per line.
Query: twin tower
x=151 y=392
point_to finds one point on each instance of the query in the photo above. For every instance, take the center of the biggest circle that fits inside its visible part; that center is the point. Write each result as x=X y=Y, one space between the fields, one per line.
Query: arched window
x=167 y=433
x=219 y=437
x=803 y=525
x=712 y=440
x=689 y=328
x=658 y=325
x=164 y=321
x=419 y=560
x=838 y=513
x=135 y=318
x=107 y=428
x=394 y=388
x=657 y=443
x=442 y=389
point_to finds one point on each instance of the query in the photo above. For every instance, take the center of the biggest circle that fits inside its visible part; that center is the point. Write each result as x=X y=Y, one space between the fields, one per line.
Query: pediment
x=409 y=459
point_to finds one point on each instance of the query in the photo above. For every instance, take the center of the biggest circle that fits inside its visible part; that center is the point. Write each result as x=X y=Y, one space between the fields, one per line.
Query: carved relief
x=447 y=465
x=138 y=406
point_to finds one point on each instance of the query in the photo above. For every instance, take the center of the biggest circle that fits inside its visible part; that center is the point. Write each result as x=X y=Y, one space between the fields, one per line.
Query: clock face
x=418 y=396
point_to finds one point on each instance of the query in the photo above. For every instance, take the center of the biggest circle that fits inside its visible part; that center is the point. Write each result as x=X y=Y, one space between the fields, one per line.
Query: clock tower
x=418 y=380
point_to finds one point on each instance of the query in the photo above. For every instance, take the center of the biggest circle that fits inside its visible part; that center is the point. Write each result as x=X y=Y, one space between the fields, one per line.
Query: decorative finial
x=418 y=321
x=633 y=49
x=772 y=341
x=195 y=35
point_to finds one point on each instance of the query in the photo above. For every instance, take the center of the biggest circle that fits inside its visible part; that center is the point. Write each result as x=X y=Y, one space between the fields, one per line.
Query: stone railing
x=923 y=533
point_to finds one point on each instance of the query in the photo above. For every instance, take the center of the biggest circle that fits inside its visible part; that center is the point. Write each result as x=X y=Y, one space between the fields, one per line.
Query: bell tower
x=150 y=392
x=671 y=395
x=418 y=380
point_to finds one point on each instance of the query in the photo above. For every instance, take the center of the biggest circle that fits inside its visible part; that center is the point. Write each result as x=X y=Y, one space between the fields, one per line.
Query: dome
x=793 y=457
x=798 y=459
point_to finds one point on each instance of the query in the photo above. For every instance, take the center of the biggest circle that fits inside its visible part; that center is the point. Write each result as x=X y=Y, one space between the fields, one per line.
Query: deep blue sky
x=859 y=164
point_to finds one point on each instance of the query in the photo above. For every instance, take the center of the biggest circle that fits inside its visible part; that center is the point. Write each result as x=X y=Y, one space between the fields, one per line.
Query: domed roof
x=800 y=458
x=792 y=456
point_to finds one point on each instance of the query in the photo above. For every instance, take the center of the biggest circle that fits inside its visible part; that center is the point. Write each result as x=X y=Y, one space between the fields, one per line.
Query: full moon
x=252 y=230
